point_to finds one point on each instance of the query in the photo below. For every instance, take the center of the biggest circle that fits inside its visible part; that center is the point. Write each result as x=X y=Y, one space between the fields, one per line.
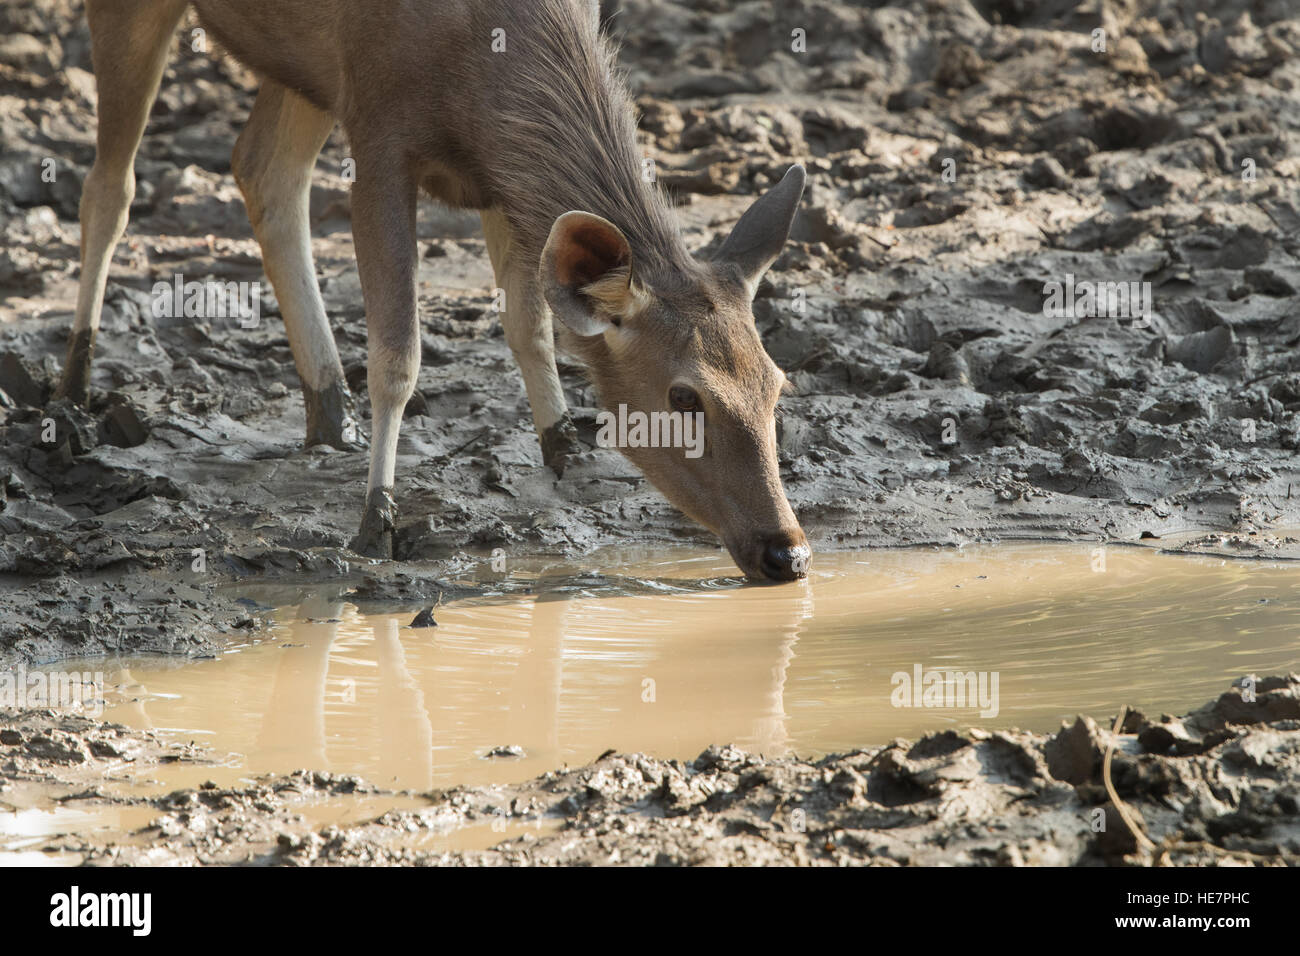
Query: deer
x=514 y=109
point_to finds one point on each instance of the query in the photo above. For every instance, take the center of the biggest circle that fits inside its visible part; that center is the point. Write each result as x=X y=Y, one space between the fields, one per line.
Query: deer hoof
x=75 y=383
x=331 y=418
x=375 y=539
x=559 y=444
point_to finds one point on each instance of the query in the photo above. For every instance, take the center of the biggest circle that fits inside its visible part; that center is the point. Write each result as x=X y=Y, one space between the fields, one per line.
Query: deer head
x=679 y=345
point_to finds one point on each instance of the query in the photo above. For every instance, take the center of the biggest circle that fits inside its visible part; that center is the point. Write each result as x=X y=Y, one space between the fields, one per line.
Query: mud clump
x=1219 y=786
x=961 y=156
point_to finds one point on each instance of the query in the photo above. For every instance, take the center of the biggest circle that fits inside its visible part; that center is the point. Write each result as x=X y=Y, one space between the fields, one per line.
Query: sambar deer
x=513 y=108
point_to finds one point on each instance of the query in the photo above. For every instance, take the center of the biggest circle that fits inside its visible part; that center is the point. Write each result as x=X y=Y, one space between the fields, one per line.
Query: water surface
x=665 y=653
x=695 y=658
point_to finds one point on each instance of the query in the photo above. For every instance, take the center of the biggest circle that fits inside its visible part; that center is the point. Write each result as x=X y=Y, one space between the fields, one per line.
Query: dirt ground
x=961 y=154
x=922 y=301
x=1220 y=786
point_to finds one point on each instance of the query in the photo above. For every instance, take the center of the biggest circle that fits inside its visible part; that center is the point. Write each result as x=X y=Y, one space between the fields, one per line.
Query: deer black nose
x=785 y=562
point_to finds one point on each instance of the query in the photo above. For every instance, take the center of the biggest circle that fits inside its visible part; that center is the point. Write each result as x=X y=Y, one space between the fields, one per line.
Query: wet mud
x=961 y=155
x=1218 y=786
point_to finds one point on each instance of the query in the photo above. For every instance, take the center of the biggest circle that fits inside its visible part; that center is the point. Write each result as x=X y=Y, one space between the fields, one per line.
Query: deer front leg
x=129 y=42
x=272 y=163
x=527 y=324
x=383 y=229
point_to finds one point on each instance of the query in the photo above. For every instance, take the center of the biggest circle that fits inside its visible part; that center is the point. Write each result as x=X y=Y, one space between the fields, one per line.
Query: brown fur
x=541 y=138
x=537 y=130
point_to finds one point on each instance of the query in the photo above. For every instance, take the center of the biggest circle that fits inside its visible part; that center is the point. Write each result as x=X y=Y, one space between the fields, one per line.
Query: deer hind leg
x=527 y=325
x=272 y=163
x=383 y=229
x=129 y=40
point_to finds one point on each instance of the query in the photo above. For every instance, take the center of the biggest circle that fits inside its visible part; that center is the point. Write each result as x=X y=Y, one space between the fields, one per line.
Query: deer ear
x=756 y=240
x=581 y=251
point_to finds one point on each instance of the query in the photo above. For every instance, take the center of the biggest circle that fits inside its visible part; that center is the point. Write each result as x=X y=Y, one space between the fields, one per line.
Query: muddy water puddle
x=666 y=654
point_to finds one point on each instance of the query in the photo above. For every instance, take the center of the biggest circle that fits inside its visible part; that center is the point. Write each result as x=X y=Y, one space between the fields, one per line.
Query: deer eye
x=683 y=399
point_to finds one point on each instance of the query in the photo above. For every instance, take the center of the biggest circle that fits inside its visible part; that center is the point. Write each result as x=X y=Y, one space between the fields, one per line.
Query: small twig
x=1171 y=842
x=1264 y=210
x=472 y=441
x=1142 y=839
